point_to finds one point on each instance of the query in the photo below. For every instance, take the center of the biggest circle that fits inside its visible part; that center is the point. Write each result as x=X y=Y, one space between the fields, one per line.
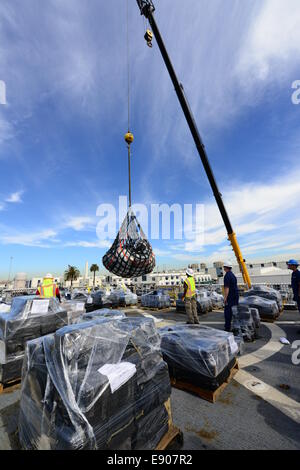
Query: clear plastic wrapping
x=104 y=313
x=122 y=298
x=75 y=309
x=30 y=317
x=268 y=309
x=156 y=299
x=265 y=293
x=198 y=354
x=101 y=384
x=217 y=299
x=4 y=308
x=243 y=324
x=204 y=304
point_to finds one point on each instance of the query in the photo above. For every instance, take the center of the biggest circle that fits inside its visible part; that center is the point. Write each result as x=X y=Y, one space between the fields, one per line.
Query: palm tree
x=72 y=274
x=94 y=268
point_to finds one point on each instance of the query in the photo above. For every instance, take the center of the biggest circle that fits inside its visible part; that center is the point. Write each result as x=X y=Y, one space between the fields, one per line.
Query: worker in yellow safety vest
x=189 y=297
x=48 y=288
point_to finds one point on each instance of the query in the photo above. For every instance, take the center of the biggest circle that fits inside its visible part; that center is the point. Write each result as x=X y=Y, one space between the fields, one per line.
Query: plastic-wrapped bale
x=75 y=309
x=265 y=293
x=122 y=298
x=4 y=308
x=101 y=299
x=203 y=305
x=241 y=344
x=156 y=299
x=268 y=309
x=217 y=300
x=97 y=385
x=256 y=319
x=199 y=355
x=131 y=254
x=30 y=317
x=205 y=300
x=243 y=323
x=104 y=313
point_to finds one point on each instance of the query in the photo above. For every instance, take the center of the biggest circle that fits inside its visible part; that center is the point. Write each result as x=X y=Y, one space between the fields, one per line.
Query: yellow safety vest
x=47 y=289
x=190 y=282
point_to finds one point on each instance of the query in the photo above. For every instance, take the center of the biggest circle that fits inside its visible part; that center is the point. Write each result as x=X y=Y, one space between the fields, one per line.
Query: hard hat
x=189 y=272
x=48 y=276
x=228 y=264
x=293 y=262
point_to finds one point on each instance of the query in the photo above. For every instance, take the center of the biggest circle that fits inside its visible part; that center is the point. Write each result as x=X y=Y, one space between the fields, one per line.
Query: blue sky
x=61 y=131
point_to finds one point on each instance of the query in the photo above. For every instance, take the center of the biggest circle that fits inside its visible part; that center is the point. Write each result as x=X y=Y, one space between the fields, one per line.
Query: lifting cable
x=128 y=136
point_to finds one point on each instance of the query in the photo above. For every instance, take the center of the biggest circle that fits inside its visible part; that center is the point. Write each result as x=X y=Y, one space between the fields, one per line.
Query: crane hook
x=149 y=37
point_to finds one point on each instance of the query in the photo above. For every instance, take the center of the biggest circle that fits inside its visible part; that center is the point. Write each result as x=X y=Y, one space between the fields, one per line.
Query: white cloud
x=262 y=215
x=15 y=197
x=37 y=239
x=80 y=223
x=272 y=43
x=85 y=244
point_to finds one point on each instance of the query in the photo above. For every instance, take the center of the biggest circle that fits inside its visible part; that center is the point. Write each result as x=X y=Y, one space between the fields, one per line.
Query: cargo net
x=131 y=254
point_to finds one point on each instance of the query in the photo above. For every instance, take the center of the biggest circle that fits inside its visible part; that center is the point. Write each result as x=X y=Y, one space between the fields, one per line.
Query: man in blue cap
x=231 y=294
x=293 y=266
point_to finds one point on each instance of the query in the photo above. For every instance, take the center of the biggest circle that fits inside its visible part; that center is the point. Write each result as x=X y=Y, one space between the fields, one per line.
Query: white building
x=20 y=281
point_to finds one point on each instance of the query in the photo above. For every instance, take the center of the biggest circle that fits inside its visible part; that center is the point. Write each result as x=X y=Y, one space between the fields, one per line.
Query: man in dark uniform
x=231 y=294
x=293 y=266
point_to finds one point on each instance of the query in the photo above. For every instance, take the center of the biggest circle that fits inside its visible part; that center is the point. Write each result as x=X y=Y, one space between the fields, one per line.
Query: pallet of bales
x=201 y=360
x=29 y=317
x=101 y=384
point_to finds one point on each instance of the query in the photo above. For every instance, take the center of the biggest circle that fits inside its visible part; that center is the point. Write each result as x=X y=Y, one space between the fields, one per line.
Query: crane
x=147 y=10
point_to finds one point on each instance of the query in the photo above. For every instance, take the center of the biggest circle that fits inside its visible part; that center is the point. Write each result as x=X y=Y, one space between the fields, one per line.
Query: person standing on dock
x=292 y=264
x=189 y=297
x=48 y=288
x=231 y=294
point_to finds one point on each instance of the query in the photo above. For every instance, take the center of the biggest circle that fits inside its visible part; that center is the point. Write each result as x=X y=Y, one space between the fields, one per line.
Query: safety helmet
x=293 y=262
x=227 y=264
x=48 y=276
x=189 y=272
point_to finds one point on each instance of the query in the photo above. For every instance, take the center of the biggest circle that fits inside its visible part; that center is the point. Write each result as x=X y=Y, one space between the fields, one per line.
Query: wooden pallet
x=208 y=395
x=173 y=437
x=156 y=309
x=10 y=386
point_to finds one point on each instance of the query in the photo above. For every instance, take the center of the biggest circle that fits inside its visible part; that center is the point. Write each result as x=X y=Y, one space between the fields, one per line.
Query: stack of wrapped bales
x=30 y=317
x=205 y=300
x=199 y=355
x=203 y=304
x=75 y=309
x=266 y=293
x=245 y=322
x=156 y=299
x=122 y=298
x=217 y=300
x=101 y=384
x=268 y=309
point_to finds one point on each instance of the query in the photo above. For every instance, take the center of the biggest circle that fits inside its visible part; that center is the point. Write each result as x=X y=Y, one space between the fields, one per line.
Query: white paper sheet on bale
x=118 y=374
x=233 y=345
x=40 y=306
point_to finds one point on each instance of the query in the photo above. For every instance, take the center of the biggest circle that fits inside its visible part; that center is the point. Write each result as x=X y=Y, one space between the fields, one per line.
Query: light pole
x=10 y=265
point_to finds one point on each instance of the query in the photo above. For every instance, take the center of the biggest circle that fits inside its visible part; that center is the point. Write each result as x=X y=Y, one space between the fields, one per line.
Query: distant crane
x=147 y=9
